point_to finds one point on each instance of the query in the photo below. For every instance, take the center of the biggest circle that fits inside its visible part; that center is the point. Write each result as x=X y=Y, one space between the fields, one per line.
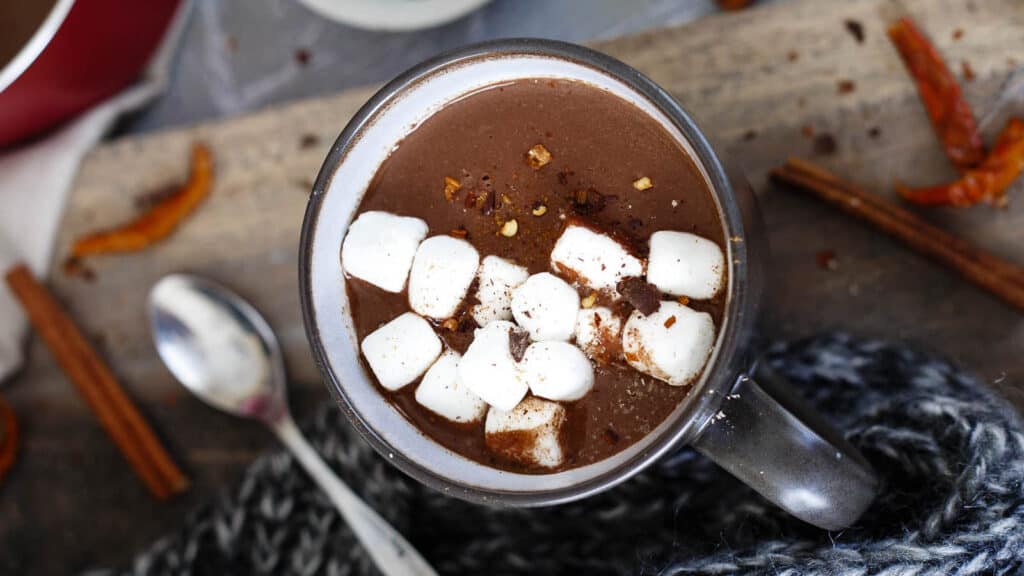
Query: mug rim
x=726 y=363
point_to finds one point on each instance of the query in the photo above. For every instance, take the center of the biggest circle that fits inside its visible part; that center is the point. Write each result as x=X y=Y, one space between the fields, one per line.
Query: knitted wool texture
x=950 y=455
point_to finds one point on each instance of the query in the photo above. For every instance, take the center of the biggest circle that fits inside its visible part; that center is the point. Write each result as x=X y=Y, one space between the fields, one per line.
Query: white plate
x=393 y=15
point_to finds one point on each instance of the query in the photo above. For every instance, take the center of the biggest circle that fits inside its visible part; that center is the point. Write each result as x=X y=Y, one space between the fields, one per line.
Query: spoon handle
x=393 y=555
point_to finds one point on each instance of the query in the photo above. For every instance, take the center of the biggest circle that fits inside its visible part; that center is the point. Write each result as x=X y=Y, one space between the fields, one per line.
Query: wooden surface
x=757 y=80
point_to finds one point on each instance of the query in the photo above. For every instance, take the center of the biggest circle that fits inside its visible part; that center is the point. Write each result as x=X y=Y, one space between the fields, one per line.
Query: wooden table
x=760 y=80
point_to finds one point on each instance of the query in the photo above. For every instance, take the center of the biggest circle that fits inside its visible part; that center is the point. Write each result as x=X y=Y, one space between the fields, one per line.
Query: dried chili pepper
x=8 y=438
x=987 y=182
x=950 y=114
x=159 y=221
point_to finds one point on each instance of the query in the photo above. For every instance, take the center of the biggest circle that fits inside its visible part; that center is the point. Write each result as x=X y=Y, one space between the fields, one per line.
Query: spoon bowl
x=221 y=348
x=217 y=346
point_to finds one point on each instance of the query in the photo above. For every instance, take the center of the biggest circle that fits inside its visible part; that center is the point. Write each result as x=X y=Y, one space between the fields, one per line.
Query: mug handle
x=768 y=438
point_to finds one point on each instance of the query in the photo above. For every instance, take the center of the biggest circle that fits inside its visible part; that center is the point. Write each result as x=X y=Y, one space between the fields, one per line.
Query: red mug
x=83 y=52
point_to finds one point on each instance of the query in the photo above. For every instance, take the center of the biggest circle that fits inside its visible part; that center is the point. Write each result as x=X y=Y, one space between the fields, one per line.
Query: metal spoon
x=222 y=350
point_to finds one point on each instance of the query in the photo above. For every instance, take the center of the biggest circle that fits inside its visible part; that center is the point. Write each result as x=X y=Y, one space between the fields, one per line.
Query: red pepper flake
x=985 y=183
x=826 y=260
x=846 y=86
x=459 y=232
x=807 y=131
x=856 y=29
x=958 y=34
x=968 y=72
x=670 y=321
x=950 y=114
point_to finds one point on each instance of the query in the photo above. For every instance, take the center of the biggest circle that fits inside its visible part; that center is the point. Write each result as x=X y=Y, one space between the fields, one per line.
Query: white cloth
x=35 y=179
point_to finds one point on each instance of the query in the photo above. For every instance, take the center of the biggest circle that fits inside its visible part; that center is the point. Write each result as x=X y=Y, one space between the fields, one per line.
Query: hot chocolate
x=536 y=275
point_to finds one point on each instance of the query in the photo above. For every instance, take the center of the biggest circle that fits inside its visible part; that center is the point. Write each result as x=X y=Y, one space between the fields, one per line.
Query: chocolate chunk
x=518 y=342
x=643 y=296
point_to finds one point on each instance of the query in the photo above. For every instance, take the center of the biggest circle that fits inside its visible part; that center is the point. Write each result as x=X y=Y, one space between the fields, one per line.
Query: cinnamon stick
x=1000 y=277
x=98 y=386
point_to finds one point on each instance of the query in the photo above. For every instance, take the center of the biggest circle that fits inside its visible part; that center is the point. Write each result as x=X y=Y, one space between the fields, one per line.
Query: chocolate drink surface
x=597 y=162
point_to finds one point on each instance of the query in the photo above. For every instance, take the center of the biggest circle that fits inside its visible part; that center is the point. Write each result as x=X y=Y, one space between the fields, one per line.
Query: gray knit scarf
x=951 y=456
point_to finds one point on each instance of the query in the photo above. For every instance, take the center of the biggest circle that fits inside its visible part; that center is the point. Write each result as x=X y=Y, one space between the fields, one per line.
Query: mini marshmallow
x=596 y=260
x=379 y=248
x=672 y=344
x=488 y=369
x=498 y=277
x=684 y=264
x=442 y=271
x=597 y=333
x=400 y=351
x=528 y=434
x=441 y=393
x=546 y=306
x=557 y=371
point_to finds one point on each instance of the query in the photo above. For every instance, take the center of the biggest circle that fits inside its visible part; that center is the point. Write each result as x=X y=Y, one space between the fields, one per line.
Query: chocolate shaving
x=611 y=436
x=856 y=29
x=588 y=201
x=825 y=145
x=643 y=296
x=518 y=342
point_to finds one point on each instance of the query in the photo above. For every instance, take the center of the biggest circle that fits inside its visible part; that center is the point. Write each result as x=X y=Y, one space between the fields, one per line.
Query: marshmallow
x=684 y=264
x=488 y=369
x=595 y=260
x=528 y=434
x=379 y=248
x=546 y=306
x=557 y=371
x=597 y=333
x=441 y=393
x=400 y=351
x=442 y=271
x=672 y=344
x=498 y=277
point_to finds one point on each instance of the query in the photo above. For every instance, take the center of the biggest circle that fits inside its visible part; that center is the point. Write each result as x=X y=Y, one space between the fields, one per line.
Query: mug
x=756 y=430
